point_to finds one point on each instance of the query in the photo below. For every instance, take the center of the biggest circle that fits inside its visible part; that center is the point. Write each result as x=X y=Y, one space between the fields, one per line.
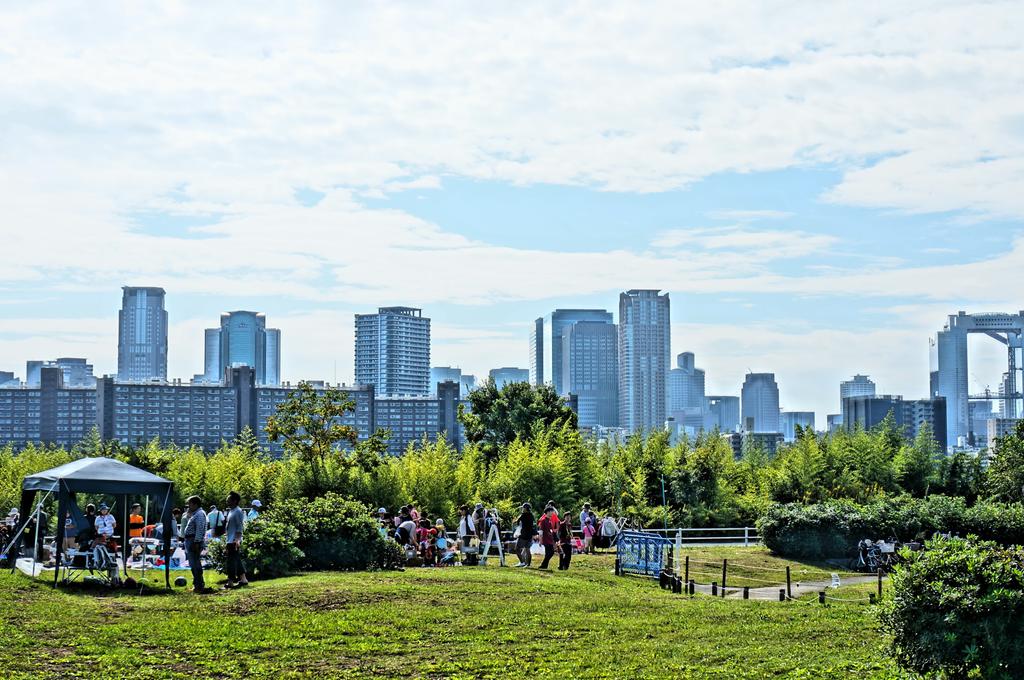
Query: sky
x=817 y=185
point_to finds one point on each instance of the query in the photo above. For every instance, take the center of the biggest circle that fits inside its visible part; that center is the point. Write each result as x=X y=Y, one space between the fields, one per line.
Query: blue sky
x=815 y=195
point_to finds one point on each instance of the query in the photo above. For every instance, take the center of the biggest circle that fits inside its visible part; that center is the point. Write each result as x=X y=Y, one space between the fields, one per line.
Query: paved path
x=799 y=588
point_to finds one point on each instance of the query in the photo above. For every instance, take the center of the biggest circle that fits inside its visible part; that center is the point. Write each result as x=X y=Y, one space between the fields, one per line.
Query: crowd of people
x=479 y=529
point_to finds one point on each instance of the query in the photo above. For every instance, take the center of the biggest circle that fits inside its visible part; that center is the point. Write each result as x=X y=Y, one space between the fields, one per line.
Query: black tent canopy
x=101 y=476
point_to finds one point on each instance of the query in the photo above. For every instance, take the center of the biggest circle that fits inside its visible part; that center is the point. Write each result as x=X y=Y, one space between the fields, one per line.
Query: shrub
x=268 y=549
x=957 y=608
x=333 y=531
x=834 y=528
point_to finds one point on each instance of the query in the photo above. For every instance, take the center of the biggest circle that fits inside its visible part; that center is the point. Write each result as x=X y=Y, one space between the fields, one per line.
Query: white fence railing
x=711 y=535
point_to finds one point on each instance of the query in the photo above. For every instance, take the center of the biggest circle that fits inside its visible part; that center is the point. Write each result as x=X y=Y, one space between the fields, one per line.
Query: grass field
x=459 y=622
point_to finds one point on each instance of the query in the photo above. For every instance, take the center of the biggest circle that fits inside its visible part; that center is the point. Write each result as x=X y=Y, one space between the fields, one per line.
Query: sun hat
x=104 y=506
x=14 y=511
x=256 y=503
x=382 y=511
x=439 y=522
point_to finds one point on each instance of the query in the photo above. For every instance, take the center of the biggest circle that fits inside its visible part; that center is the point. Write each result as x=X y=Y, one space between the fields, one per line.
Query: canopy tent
x=101 y=476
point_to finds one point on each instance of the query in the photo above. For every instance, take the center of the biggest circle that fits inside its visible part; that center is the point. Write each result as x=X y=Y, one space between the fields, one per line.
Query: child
x=425 y=541
x=441 y=542
x=588 y=537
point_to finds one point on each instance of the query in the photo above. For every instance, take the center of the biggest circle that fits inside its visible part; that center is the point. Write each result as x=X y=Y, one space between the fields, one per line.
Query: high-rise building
x=835 y=421
x=467 y=384
x=722 y=412
x=590 y=370
x=645 y=337
x=142 y=335
x=546 y=342
x=6 y=377
x=243 y=339
x=508 y=374
x=685 y=385
x=440 y=374
x=393 y=351
x=791 y=419
x=869 y=411
x=860 y=386
x=214 y=372
x=760 y=403
x=77 y=372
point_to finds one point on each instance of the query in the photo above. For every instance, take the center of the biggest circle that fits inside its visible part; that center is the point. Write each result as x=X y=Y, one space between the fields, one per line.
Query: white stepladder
x=493 y=536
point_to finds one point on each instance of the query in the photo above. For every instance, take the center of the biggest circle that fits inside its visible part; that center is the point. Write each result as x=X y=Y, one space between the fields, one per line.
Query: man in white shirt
x=105 y=523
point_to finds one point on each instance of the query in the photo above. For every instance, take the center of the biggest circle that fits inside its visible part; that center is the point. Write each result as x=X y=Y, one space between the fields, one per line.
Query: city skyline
x=817 y=196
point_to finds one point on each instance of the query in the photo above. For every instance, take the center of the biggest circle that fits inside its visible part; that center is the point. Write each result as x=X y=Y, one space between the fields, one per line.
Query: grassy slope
x=458 y=622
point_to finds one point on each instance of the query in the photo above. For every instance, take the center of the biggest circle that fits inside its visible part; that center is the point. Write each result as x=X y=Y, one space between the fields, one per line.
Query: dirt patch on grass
x=326 y=600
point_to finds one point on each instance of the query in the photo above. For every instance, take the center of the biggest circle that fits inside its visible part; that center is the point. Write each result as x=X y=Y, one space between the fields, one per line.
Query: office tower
x=508 y=374
x=6 y=377
x=393 y=351
x=981 y=412
x=213 y=371
x=835 y=421
x=790 y=420
x=685 y=385
x=243 y=339
x=466 y=384
x=722 y=412
x=860 y=386
x=546 y=364
x=590 y=370
x=273 y=376
x=645 y=335
x=77 y=372
x=440 y=374
x=759 y=401
x=869 y=411
x=142 y=335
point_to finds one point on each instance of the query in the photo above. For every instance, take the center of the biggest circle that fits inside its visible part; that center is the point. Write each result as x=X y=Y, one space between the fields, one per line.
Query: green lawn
x=457 y=622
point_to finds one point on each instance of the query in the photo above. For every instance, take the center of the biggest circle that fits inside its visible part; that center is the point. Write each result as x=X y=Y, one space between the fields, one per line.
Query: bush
x=958 y=608
x=268 y=549
x=834 y=528
x=334 y=533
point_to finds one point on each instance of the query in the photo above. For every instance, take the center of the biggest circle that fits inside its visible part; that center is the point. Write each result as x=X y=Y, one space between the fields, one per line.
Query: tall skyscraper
x=645 y=336
x=214 y=371
x=508 y=374
x=243 y=339
x=440 y=374
x=393 y=351
x=685 y=385
x=142 y=335
x=546 y=365
x=590 y=370
x=860 y=386
x=759 y=403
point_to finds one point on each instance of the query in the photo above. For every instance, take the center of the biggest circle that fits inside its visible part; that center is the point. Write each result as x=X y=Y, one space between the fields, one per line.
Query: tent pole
x=125 y=538
x=167 y=539
x=145 y=549
x=62 y=510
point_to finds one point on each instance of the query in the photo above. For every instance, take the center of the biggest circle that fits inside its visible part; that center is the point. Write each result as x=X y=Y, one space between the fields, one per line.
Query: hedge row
x=832 y=529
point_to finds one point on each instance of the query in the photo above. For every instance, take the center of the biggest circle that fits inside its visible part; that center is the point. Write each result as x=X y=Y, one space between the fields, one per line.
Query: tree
x=496 y=418
x=915 y=464
x=1006 y=471
x=309 y=423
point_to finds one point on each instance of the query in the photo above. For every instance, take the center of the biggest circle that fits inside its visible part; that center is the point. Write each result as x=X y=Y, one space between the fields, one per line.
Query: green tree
x=496 y=418
x=1006 y=471
x=915 y=464
x=309 y=424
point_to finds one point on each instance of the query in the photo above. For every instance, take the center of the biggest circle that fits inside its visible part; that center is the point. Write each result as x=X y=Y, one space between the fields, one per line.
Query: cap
x=103 y=506
x=439 y=523
x=14 y=511
x=479 y=506
x=256 y=503
x=382 y=511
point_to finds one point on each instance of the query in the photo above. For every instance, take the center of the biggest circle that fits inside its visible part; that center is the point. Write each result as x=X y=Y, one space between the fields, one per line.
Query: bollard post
x=725 y=564
x=746 y=592
x=871 y=598
x=693 y=587
x=662 y=579
x=677 y=585
x=782 y=594
x=618 y=568
x=686 y=575
x=789 y=584
x=879 y=584
x=821 y=597
x=746 y=537
x=714 y=589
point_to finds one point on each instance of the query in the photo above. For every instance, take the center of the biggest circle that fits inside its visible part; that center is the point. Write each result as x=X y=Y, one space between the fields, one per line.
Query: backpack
x=219 y=526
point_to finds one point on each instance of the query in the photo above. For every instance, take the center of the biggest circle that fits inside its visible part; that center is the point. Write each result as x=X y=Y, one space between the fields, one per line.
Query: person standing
x=136 y=521
x=584 y=514
x=254 y=511
x=194 y=535
x=467 y=527
x=233 y=543
x=564 y=544
x=548 y=527
x=527 y=526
